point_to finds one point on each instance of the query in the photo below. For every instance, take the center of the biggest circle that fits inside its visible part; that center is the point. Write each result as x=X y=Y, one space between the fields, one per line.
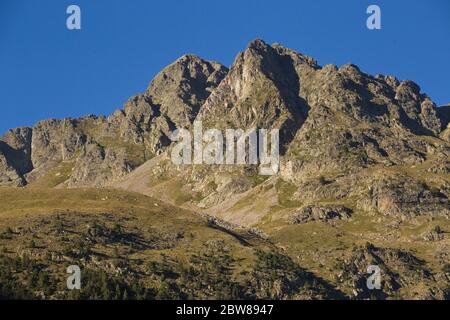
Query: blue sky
x=47 y=71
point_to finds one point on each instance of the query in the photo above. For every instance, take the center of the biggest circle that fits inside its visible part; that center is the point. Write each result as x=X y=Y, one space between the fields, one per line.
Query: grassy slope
x=23 y=204
x=18 y=204
x=315 y=246
x=29 y=220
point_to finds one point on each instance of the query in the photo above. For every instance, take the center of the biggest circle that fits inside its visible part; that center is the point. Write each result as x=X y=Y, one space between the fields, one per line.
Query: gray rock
x=321 y=213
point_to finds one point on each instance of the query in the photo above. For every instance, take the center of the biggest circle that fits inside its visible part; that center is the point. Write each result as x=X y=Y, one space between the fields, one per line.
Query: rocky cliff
x=103 y=149
x=347 y=127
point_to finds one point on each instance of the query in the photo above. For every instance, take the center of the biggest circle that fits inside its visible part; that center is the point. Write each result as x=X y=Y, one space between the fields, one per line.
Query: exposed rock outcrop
x=107 y=148
x=181 y=88
x=337 y=122
x=321 y=213
x=398 y=269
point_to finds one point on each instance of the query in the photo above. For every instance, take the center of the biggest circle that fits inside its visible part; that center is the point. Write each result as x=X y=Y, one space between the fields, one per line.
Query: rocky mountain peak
x=181 y=88
x=261 y=90
x=319 y=111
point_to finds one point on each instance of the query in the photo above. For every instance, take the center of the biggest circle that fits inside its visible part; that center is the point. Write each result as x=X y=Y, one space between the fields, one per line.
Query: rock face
x=376 y=139
x=97 y=165
x=15 y=156
x=357 y=120
x=107 y=148
x=321 y=213
x=181 y=88
x=54 y=141
x=261 y=91
x=444 y=114
x=8 y=174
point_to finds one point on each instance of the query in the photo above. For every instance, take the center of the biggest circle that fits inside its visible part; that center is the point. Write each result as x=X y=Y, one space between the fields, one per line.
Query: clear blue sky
x=47 y=71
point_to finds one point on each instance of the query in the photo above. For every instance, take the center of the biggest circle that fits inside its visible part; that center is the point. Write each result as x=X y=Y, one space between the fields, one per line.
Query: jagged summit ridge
x=110 y=147
x=181 y=88
x=261 y=90
x=268 y=86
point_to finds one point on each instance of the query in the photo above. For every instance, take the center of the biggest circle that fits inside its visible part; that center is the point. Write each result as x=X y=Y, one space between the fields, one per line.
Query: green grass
x=286 y=192
x=31 y=203
x=55 y=177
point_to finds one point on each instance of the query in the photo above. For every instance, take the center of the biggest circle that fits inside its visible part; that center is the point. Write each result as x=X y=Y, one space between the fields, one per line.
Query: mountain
x=363 y=180
x=97 y=148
